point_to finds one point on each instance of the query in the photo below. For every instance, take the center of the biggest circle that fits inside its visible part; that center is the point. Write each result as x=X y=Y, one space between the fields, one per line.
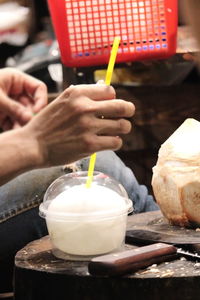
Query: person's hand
x=84 y=119
x=21 y=96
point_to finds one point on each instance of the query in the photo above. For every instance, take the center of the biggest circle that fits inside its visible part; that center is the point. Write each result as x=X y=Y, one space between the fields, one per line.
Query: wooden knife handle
x=131 y=260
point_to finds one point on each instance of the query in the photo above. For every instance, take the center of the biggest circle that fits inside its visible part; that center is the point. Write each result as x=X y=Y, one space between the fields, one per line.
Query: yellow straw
x=109 y=73
x=91 y=170
x=112 y=59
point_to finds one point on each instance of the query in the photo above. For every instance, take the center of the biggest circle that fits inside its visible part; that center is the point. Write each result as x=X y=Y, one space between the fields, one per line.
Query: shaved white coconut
x=176 y=176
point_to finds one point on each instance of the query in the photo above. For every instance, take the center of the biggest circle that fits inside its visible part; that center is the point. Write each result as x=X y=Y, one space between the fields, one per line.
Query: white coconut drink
x=84 y=222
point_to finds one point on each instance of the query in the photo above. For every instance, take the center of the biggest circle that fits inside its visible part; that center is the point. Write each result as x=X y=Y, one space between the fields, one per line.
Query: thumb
x=15 y=110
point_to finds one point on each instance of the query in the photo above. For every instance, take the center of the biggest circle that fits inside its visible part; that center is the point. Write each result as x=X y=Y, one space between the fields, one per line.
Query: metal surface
x=152 y=227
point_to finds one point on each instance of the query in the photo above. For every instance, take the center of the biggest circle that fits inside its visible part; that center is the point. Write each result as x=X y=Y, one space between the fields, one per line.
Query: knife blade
x=189 y=255
x=146 y=237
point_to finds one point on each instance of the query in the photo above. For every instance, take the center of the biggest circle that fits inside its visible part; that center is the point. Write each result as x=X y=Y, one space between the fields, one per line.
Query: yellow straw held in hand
x=109 y=73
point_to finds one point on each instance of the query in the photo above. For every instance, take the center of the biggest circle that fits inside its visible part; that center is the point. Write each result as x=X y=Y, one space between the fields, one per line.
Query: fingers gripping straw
x=109 y=73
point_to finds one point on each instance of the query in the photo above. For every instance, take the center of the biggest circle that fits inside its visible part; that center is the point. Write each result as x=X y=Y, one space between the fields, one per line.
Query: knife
x=133 y=260
x=145 y=237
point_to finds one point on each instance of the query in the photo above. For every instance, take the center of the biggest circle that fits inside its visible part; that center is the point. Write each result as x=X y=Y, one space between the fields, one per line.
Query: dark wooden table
x=41 y=276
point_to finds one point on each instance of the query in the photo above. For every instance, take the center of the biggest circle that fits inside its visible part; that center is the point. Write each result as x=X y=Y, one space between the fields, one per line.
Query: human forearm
x=18 y=154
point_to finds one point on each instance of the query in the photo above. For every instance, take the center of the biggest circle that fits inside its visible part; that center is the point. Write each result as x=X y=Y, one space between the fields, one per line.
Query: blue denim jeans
x=20 y=198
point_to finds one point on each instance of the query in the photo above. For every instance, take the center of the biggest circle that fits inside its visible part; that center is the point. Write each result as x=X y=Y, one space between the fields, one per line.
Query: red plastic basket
x=85 y=29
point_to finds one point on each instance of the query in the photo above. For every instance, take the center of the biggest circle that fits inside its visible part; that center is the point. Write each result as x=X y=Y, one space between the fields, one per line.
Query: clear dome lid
x=68 y=197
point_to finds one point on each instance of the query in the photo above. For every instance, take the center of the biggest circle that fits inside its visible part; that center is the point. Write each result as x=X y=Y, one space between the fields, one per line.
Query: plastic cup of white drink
x=85 y=222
